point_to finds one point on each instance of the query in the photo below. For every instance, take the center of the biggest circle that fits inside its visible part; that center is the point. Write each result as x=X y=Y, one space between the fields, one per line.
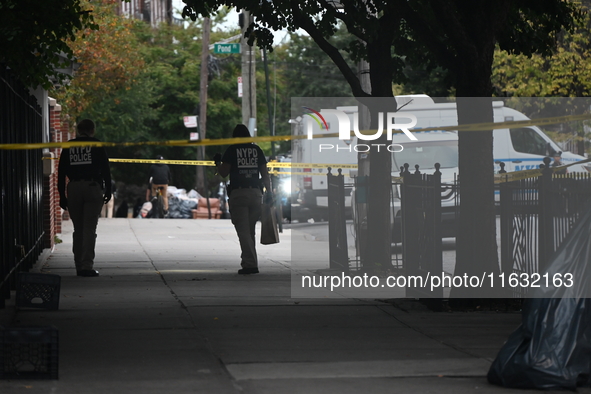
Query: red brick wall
x=53 y=214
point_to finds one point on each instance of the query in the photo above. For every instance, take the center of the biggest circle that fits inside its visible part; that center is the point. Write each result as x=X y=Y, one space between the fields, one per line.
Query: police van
x=519 y=148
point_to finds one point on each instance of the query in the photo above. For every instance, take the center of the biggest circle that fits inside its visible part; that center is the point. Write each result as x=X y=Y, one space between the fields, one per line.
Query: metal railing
x=537 y=215
x=21 y=183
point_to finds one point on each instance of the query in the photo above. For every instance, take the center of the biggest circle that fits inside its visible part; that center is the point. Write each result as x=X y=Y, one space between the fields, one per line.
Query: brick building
x=153 y=12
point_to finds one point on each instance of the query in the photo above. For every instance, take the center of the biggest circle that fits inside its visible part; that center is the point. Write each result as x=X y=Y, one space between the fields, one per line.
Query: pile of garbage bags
x=180 y=204
x=551 y=349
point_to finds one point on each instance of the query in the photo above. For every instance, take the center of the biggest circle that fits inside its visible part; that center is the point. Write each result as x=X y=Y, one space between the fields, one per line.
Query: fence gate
x=421 y=228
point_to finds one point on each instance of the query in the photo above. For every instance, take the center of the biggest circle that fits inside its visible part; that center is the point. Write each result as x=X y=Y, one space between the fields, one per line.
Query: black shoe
x=248 y=271
x=87 y=273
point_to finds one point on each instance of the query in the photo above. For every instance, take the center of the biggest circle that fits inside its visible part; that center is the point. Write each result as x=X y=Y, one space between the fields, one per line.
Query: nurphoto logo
x=345 y=125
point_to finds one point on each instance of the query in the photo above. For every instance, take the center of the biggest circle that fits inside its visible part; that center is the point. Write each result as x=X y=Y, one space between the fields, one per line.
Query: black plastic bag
x=551 y=349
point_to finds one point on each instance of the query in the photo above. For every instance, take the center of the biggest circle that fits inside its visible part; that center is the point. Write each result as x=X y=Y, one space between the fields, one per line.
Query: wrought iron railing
x=21 y=183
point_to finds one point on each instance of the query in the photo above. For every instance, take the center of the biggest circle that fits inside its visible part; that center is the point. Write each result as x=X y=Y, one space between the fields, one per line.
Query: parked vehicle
x=285 y=195
x=520 y=148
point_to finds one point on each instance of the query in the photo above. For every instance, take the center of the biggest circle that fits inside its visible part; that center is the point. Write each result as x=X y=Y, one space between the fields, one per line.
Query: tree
x=109 y=57
x=33 y=38
x=564 y=73
x=174 y=69
x=301 y=69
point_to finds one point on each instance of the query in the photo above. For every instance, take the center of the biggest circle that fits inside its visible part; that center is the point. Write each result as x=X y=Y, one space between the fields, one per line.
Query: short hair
x=240 y=131
x=86 y=127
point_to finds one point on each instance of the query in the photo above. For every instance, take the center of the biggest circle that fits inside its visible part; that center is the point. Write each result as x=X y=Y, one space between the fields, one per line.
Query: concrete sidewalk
x=170 y=314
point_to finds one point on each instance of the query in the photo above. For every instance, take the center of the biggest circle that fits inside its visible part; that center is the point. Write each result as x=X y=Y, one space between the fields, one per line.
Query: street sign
x=226 y=48
x=190 y=121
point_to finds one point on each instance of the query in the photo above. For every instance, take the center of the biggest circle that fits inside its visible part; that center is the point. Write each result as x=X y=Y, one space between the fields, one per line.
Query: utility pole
x=201 y=177
x=269 y=105
x=249 y=98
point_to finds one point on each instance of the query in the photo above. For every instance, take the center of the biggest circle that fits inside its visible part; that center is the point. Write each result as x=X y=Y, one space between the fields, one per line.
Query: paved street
x=170 y=314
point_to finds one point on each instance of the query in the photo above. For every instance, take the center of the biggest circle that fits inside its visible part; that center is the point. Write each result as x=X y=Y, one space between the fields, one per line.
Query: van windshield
x=426 y=154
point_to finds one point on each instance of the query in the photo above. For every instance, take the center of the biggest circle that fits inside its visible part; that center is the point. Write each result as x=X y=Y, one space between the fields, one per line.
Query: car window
x=527 y=140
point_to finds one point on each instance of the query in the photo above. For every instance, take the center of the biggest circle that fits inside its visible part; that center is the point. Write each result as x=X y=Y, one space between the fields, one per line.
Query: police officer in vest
x=89 y=187
x=244 y=163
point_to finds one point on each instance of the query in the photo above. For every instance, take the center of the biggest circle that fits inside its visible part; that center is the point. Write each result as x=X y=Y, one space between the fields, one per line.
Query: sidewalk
x=170 y=314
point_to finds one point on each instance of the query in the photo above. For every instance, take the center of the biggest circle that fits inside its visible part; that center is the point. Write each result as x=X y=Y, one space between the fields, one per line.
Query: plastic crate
x=29 y=352
x=37 y=290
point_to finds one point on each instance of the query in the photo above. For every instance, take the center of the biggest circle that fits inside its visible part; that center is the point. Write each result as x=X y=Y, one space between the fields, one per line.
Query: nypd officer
x=89 y=187
x=247 y=167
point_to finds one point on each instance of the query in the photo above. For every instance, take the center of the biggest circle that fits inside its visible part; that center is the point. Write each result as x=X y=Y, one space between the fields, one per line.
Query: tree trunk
x=380 y=163
x=476 y=246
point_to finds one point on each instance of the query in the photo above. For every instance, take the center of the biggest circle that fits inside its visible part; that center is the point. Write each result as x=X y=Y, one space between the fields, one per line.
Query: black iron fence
x=337 y=229
x=21 y=181
x=421 y=226
x=536 y=216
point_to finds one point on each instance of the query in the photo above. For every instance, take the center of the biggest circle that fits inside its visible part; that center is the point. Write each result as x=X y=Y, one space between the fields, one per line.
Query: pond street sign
x=226 y=48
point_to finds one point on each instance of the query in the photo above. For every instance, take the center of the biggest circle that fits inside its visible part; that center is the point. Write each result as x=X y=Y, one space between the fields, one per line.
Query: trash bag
x=180 y=208
x=551 y=349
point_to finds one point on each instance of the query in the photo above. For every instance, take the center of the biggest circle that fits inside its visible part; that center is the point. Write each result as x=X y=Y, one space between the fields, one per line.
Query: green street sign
x=226 y=48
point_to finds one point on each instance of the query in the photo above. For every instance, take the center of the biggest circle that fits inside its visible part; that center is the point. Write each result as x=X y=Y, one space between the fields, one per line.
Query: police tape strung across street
x=524 y=174
x=231 y=141
x=499 y=178
x=273 y=166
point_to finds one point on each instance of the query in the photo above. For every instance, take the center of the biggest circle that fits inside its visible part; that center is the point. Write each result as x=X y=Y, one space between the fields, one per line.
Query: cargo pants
x=85 y=201
x=245 y=211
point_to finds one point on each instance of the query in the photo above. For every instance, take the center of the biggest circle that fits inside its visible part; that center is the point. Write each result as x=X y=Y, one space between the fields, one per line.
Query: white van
x=520 y=148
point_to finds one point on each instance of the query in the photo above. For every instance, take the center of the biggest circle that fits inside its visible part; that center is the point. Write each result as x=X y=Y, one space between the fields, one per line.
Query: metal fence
x=21 y=181
x=536 y=216
x=337 y=230
x=421 y=226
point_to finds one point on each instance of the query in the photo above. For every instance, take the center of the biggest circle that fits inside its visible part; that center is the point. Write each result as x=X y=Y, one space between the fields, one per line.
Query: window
x=527 y=140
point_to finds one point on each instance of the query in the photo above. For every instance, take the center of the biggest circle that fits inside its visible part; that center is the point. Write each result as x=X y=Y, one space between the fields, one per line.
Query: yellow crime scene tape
x=524 y=174
x=154 y=161
x=231 y=141
x=273 y=166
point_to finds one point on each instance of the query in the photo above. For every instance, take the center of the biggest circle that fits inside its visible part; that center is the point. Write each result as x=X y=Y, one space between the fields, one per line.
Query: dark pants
x=245 y=210
x=85 y=201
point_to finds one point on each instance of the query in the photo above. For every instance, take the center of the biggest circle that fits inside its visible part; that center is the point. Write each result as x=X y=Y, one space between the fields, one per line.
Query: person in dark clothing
x=160 y=177
x=247 y=167
x=89 y=187
x=123 y=210
x=107 y=210
x=558 y=163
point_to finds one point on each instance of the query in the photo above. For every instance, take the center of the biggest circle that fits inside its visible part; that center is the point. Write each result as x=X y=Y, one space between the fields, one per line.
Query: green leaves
x=33 y=38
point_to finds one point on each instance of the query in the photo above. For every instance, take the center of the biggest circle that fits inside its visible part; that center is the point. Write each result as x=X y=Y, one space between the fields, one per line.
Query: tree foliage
x=137 y=82
x=566 y=72
x=109 y=57
x=34 y=34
